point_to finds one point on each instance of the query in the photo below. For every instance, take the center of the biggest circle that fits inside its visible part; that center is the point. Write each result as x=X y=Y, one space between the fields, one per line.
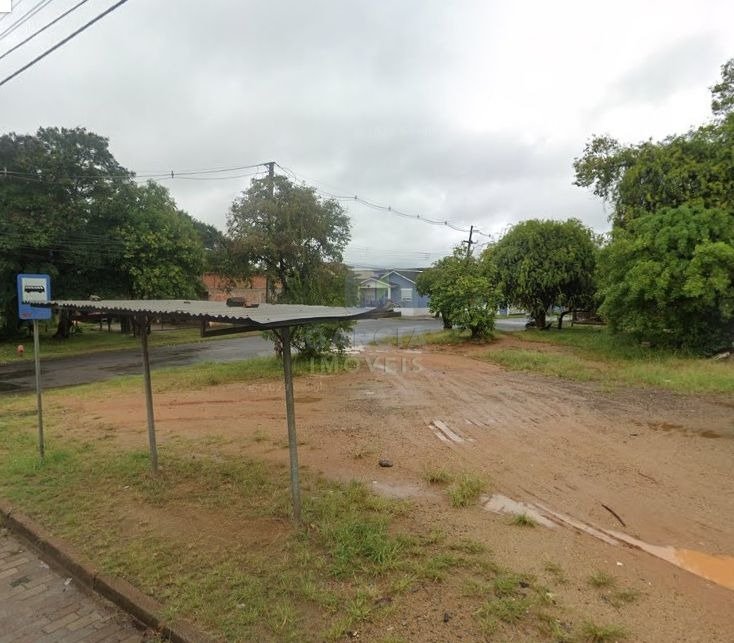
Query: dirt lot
x=661 y=461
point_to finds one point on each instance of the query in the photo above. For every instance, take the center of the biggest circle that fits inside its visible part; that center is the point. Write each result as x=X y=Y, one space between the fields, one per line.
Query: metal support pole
x=39 y=403
x=285 y=336
x=142 y=323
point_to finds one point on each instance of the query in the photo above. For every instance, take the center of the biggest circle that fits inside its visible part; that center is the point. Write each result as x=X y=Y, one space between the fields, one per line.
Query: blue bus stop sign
x=33 y=289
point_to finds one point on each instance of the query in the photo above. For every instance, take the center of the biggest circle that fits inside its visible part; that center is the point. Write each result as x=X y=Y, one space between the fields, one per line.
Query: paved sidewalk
x=38 y=605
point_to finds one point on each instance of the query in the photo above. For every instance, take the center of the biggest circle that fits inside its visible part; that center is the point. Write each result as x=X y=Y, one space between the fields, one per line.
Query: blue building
x=396 y=287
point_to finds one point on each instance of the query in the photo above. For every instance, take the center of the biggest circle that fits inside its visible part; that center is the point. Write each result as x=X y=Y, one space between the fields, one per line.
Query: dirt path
x=661 y=461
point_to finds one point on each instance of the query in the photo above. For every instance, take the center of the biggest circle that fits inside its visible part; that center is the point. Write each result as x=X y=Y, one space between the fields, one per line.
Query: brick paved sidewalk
x=38 y=605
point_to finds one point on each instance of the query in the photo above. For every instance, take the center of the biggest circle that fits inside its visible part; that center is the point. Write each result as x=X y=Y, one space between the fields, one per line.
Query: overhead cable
x=63 y=41
x=42 y=29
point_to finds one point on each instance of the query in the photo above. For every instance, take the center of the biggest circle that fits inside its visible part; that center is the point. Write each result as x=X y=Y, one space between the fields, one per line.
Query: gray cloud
x=404 y=103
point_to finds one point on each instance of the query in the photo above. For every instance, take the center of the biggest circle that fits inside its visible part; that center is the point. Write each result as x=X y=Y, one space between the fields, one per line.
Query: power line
x=387 y=208
x=11 y=8
x=63 y=41
x=42 y=29
x=25 y=17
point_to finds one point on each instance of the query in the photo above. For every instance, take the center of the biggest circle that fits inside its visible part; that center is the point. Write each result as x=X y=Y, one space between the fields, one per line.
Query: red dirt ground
x=661 y=461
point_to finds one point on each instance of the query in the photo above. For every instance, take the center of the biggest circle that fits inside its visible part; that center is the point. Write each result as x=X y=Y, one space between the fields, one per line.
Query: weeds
x=466 y=489
x=592 y=633
x=600 y=580
x=523 y=520
x=438 y=476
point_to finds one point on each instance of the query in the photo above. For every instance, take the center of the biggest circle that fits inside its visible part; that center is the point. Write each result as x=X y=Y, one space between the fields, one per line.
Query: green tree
x=461 y=292
x=162 y=254
x=59 y=195
x=543 y=263
x=294 y=238
x=69 y=209
x=289 y=234
x=668 y=278
x=697 y=166
x=722 y=94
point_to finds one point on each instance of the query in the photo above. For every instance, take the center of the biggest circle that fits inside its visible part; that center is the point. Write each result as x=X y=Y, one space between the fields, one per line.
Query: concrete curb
x=140 y=606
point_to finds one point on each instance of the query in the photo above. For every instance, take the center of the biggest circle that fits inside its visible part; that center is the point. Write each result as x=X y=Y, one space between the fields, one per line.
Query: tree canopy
x=667 y=274
x=69 y=209
x=542 y=263
x=697 y=166
x=293 y=237
x=461 y=292
x=668 y=278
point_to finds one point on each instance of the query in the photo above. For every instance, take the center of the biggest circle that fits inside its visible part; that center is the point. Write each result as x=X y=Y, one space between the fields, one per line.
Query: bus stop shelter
x=279 y=318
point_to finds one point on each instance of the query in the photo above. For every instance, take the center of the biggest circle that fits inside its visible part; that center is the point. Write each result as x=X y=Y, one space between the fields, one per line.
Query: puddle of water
x=715 y=568
x=500 y=504
x=666 y=427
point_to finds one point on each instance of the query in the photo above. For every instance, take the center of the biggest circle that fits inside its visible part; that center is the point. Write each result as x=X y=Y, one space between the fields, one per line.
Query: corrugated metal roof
x=261 y=317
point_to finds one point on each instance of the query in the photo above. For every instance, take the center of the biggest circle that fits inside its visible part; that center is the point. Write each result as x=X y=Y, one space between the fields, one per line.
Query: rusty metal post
x=285 y=335
x=142 y=323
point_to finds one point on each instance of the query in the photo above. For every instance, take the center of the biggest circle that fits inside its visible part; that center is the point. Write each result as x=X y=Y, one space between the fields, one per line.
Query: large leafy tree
x=542 y=263
x=290 y=235
x=697 y=166
x=668 y=278
x=162 y=254
x=59 y=195
x=461 y=292
x=69 y=209
x=287 y=233
x=667 y=272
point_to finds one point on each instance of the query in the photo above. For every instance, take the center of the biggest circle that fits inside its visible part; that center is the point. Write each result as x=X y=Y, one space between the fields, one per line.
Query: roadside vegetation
x=211 y=537
x=90 y=339
x=591 y=354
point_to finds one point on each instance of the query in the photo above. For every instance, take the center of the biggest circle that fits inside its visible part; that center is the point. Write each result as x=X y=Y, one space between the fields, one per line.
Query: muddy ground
x=661 y=461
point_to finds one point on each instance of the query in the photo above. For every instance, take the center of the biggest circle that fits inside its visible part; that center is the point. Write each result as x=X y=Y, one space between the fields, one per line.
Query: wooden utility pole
x=469 y=242
x=271 y=187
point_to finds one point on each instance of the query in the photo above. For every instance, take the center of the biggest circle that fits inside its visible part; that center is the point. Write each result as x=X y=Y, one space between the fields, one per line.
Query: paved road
x=39 y=605
x=83 y=369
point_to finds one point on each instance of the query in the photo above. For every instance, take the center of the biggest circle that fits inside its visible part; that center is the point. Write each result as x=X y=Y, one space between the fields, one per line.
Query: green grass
x=190 y=537
x=601 y=579
x=466 y=489
x=523 y=520
x=438 y=476
x=438 y=338
x=595 y=355
x=92 y=340
x=592 y=633
x=623 y=597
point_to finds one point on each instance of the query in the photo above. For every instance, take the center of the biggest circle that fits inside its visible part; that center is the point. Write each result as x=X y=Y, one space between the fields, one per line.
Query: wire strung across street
x=62 y=42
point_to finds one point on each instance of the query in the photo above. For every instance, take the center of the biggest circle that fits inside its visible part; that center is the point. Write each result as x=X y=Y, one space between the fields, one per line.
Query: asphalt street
x=96 y=367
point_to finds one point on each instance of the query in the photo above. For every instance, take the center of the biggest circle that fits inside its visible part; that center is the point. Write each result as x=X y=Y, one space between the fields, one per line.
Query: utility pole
x=271 y=187
x=271 y=177
x=469 y=242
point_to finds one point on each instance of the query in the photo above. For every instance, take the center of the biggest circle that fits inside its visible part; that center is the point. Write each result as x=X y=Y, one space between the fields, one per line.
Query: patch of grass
x=623 y=597
x=595 y=355
x=466 y=489
x=601 y=579
x=438 y=476
x=93 y=340
x=324 y=578
x=554 y=364
x=438 y=338
x=592 y=633
x=556 y=571
x=523 y=520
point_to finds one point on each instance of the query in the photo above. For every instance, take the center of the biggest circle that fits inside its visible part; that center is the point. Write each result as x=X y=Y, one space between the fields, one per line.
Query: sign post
x=35 y=289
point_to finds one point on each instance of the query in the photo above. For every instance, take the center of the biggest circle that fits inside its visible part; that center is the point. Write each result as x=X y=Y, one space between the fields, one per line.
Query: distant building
x=396 y=287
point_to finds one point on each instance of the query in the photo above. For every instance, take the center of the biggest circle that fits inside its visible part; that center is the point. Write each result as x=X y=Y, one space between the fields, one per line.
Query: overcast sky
x=470 y=112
